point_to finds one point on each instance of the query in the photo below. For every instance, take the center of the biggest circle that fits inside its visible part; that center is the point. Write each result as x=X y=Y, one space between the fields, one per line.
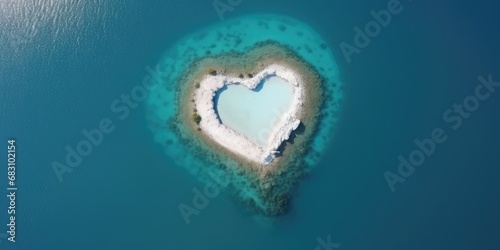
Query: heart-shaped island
x=248 y=107
x=240 y=122
x=255 y=139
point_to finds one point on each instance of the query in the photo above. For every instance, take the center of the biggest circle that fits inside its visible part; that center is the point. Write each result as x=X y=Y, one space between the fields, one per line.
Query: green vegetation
x=212 y=72
x=250 y=75
x=196 y=118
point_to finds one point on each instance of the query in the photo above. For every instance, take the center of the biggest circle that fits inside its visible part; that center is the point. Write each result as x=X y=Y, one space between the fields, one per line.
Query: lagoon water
x=64 y=63
x=254 y=113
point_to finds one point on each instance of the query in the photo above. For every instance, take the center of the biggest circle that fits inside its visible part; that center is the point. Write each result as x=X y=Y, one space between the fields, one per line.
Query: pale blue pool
x=254 y=113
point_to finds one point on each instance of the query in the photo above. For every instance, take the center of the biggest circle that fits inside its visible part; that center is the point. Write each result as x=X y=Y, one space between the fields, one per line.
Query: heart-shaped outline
x=237 y=143
x=232 y=66
x=234 y=49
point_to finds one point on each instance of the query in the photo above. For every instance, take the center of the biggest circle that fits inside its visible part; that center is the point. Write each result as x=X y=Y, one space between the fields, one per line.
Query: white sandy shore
x=237 y=143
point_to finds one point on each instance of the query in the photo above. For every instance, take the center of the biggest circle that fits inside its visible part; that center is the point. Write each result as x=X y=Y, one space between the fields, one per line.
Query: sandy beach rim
x=212 y=125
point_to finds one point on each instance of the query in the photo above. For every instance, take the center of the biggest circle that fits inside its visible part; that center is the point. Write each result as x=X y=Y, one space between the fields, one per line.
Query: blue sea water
x=63 y=64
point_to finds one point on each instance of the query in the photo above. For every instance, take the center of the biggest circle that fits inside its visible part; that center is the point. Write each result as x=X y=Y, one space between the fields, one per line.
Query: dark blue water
x=63 y=64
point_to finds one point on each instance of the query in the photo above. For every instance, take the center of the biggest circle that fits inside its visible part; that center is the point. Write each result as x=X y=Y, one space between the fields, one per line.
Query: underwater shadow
x=299 y=131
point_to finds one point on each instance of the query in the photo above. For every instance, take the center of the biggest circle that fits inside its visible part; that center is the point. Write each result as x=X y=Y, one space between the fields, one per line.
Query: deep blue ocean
x=63 y=63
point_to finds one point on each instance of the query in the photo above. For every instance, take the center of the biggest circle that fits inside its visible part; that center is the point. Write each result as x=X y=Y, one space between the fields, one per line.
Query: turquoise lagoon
x=254 y=113
x=240 y=35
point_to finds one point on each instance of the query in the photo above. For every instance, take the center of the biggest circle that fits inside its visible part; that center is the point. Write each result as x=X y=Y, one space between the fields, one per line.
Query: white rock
x=235 y=142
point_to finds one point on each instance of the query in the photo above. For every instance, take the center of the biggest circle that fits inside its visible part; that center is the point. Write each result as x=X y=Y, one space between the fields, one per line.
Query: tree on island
x=196 y=118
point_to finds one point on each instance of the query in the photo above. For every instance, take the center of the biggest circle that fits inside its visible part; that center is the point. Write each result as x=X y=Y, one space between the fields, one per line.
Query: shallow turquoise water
x=254 y=113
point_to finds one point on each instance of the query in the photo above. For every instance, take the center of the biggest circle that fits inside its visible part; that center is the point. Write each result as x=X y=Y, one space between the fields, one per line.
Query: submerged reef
x=241 y=49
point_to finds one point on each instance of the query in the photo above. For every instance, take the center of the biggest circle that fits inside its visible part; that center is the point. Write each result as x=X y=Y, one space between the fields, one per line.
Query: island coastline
x=287 y=166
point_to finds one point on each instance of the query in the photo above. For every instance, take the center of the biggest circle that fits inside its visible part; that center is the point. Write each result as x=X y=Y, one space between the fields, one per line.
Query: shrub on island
x=196 y=118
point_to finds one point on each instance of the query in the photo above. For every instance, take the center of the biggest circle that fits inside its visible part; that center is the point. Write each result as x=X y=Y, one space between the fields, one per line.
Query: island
x=248 y=106
x=202 y=83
